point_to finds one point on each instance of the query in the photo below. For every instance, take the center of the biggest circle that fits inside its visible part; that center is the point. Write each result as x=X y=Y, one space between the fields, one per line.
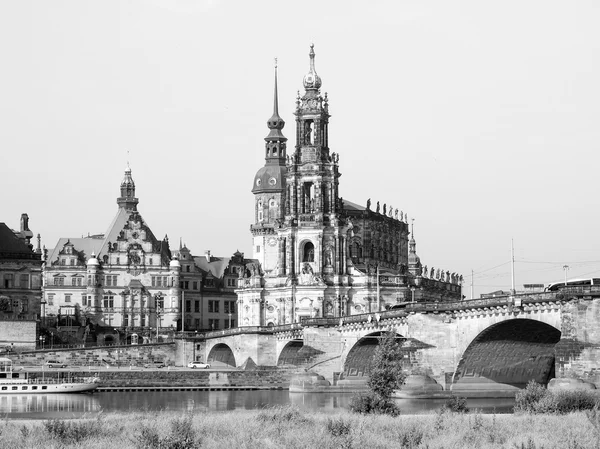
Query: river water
x=38 y=406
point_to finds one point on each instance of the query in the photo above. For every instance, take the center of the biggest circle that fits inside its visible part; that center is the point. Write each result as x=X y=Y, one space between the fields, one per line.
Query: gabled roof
x=98 y=244
x=85 y=245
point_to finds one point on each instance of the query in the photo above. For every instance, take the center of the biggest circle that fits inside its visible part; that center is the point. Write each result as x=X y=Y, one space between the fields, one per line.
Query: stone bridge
x=503 y=340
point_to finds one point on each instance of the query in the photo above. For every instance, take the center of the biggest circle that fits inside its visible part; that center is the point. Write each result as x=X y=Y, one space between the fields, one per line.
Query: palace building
x=127 y=285
x=315 y=253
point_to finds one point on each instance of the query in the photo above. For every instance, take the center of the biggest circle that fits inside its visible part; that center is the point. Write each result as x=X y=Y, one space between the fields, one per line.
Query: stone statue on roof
x=377 y=210
x=369 y=204
x=396 y=214
x=384 y=207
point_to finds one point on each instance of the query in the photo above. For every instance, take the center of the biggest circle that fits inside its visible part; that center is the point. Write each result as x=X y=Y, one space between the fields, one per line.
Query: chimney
x=24 y=222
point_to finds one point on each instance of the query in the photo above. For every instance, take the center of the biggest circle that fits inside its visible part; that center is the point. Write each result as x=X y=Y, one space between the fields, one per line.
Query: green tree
x=386 y=374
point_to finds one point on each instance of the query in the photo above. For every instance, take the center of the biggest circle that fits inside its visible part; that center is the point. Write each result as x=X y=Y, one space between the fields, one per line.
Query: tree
x=386 y=367
x=386 y=375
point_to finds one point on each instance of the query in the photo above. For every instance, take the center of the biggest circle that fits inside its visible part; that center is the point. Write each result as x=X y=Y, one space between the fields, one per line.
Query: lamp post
x=51 y=339
x=41 y=342
x=229 y=319
x=412 y=290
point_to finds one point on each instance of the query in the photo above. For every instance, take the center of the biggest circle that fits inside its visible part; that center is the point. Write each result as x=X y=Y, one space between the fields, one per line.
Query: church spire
x=275 y=123
x=127 y=200
x=275 y=147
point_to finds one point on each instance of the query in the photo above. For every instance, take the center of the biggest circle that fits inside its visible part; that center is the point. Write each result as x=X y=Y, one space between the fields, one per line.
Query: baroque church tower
x=311 y=236
x=269 y=192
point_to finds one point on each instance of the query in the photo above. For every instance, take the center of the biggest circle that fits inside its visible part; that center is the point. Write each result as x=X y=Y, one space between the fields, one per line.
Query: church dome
x=311 y=80
x=92 y=261
x=270 y=178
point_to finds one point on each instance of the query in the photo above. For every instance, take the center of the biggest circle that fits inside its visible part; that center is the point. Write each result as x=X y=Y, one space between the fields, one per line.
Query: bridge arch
x=221 y=354
x=359 y=358
x=296 y=353
x=509 y=354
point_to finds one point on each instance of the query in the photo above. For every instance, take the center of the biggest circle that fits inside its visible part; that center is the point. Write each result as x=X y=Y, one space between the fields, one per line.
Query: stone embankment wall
x=164 y=377
x=114 y=356
x=17 y=335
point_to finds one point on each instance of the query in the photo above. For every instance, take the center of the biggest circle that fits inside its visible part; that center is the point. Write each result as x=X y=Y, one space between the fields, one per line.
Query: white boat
x=12 y=382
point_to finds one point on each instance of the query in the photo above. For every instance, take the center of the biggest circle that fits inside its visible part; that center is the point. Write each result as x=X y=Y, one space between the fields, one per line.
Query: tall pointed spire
x=275 y=147
x=275 y=123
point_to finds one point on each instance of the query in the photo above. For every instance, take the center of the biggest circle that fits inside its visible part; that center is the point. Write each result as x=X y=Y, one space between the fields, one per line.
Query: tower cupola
x=127 y=200
x=312 y=81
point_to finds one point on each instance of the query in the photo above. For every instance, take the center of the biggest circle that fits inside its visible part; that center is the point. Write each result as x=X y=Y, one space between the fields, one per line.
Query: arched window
x=309 y=252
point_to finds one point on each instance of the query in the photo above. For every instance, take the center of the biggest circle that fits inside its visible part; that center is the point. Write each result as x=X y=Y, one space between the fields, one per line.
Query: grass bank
x=291 y=428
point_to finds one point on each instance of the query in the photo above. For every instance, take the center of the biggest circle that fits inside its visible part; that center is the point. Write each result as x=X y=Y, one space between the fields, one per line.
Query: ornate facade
x=318 y=255
x=122 y=282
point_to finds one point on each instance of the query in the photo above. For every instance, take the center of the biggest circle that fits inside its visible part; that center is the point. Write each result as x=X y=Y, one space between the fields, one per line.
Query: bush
x=456 y=404
x=72 y=432
x=537 y=399
x=365 y=403
x=526 y=400
x=182 y=436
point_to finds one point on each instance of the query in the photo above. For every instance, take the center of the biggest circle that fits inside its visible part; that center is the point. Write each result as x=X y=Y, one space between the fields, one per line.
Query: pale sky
x=479 y=119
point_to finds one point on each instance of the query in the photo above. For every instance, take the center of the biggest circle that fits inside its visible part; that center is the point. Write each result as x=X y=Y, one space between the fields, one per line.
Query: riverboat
x=12 y=382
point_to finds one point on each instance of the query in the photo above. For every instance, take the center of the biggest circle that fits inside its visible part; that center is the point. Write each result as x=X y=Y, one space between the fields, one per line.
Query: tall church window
x=309 y=252
x=272 y=210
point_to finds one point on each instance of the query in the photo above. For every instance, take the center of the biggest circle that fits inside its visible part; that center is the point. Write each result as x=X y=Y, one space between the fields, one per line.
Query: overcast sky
x=478 y=119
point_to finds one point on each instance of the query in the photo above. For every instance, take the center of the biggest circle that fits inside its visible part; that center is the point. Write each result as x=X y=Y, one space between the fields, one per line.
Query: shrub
x=526 y=400
x=537 y=399
x=72 y=432
x=182 y=436
x=456 y=404
x=371 y=402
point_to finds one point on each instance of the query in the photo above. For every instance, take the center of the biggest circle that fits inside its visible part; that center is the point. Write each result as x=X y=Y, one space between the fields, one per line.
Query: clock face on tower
x=272 y=241
x=272 y=181
x=258 y=181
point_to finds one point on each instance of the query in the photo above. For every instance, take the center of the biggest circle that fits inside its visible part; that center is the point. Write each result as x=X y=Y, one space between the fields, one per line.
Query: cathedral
x=317 y=254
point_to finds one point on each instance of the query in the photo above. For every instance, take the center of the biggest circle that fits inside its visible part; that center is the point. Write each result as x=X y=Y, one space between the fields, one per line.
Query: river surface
x=38 y=406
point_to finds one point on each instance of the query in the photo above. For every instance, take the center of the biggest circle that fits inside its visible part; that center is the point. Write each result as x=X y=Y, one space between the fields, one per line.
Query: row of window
x=9 y=281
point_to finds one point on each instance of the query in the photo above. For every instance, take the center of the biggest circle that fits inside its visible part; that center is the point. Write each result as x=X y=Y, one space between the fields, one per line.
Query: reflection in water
x=39 y=406
x=48 y=405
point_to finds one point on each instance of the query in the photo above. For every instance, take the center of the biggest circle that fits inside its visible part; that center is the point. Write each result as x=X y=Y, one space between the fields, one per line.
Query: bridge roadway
x=504 y=340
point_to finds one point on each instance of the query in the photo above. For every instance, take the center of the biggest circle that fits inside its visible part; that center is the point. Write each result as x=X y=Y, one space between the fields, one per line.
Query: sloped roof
x=86 y=245
x=98 y=244
x=216 y=265
x=10 y=243
x=349 y=205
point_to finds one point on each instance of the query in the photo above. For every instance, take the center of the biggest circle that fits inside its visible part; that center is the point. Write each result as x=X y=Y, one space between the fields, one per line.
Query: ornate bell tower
x=269 y=192
x=127 y=200
x=311 y=211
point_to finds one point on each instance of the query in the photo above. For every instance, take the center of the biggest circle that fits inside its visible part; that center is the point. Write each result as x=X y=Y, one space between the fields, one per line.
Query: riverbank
x=291 y=428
